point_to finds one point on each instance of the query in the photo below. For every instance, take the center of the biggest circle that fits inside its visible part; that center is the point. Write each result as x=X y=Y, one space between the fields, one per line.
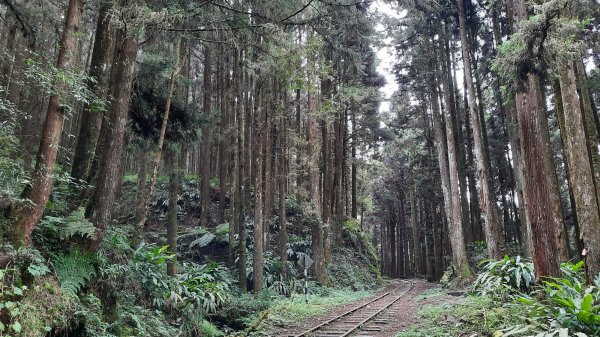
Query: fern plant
x=74 y=270
x=64 y=228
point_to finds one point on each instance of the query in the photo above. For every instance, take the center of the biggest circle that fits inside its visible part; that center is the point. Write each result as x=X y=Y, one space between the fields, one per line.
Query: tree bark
x=259 y=146
x=313 y=182
x=206 y=139
x=126 y=48
x=91 y=119
x=578 y=156
x=172 y=224
x=457 y=241
x=282 y=194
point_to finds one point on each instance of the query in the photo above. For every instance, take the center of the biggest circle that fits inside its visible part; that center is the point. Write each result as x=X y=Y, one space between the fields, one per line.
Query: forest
x=405 y=168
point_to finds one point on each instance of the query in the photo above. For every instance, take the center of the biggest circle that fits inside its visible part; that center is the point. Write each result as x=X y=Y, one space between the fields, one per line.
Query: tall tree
x=27 y=216
x=122 y=74
x=487 y=199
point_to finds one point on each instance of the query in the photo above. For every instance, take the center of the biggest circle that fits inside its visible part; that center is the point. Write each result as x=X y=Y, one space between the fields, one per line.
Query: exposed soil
x=402 y=314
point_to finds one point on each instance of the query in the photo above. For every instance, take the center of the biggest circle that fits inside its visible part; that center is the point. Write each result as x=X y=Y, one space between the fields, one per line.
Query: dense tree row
x=264 y=101
x=497 y=107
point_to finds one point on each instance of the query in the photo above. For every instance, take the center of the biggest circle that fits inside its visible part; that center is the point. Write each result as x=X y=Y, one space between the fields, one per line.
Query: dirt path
x=400 y=315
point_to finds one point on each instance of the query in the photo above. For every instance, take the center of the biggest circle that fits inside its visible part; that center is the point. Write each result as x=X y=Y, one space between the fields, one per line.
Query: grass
x=284 y=311
x=474 y=315
x=294 y=309
x=431 y=293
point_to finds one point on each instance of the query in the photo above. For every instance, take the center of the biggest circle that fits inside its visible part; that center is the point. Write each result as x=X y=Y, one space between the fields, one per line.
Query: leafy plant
x=505 y=277
x=73 y=225
x=10 y=295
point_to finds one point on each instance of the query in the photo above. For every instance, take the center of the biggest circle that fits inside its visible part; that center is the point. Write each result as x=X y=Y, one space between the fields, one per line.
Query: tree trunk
x=313 y=182
x=259 y=146
x=282 y=194
x=126 y=48
x=580 y=171
x=574 y=243
x=457 y=241
x=91 y=119
x=27 y=217
x=415 y=226
x=206 y=139
x=353 y=166
x=536 y=196
x=172 y=225
x=486 y=197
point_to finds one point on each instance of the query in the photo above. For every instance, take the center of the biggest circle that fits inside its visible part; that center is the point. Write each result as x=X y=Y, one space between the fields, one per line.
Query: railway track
x=366 y=318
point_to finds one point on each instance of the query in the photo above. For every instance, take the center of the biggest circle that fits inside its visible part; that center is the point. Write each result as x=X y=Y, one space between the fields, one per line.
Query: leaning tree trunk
x=487 y=200
x=26 y=217
x=140 y=222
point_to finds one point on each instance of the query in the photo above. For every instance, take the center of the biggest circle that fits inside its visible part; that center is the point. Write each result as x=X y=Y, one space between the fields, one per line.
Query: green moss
x=45 y=307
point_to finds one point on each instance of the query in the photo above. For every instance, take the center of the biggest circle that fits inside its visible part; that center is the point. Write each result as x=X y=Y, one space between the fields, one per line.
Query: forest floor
x=409 y=304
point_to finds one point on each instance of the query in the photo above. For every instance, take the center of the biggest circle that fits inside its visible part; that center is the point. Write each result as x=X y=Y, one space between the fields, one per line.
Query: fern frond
x=74 y=271
x=76 y=224
x=203 y=241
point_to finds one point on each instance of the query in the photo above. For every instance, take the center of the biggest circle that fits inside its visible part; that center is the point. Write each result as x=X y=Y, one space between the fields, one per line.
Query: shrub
x=505 y=277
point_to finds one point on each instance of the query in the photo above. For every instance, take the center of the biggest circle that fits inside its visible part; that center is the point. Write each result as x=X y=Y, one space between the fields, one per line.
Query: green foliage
x=544 y=42
x=241 y=306
x=563 y=304
x=90 y=314
x=271 y=270
x=12 y=175
x=505 y=277
x=222 y=229
x=206 y=286
x=210 y=330
x=295 y=309
x=66 y=228
x=10 y=295
x=199 y=288
x=75 y=270
x=203 y=241
x=46 y=308
x=472 y=316
x=71 y=84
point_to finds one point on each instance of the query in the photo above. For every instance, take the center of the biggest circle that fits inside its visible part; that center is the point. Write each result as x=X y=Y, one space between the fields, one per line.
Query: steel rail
x=352 y=329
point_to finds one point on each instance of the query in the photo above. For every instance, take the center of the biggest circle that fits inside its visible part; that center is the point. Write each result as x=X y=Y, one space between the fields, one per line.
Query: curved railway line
x=354 y=320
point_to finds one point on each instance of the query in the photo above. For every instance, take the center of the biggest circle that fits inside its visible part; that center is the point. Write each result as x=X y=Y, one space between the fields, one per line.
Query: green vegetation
x=507 y=302
x=467 y=316
x=269 y=311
